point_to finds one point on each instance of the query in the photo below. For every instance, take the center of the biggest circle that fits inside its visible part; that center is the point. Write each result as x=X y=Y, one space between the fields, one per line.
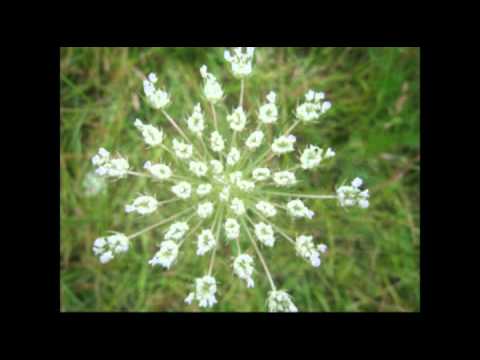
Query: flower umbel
x=226 y=177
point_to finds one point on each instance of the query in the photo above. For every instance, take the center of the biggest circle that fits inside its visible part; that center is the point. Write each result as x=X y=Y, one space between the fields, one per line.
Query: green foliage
x=373 y=259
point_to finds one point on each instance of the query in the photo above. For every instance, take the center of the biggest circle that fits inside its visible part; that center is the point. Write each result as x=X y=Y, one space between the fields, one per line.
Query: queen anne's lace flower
x=159 y=171
x=306 y=249
x=255 y=140
x=237 y=206
x=224 y=178
x=266 y=208
x=243 y=268
x=204 y=189
x=217 y=166
x=205 y=210
x=151 y=134
x=233 y=156
x=176 y=231
x=198 y=168
x=268 y=113
x=245 y=185
x=232 y=228
x=241 y=61
x=204 y=294
x=352 y=195
x=142 y=205
x=183 y=190
x=238 y=119
x=108 y=167
x=312 y=156
x=167 y=254
x=261 y=174
x=107 y=247
x=216 y=142
x=212 y=89
x=280 y=301
x=313 y=107
x=196 y=122
x=93 y=184
x=158 y=99
x=224 y=194
x=182 y=150
x=283 y=144
x=284 y=178
x=264 y=233
x=297 y=208
x=205 y=242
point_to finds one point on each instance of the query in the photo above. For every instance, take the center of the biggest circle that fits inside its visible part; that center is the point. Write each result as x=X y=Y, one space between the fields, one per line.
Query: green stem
x=160 y=223
x=262 y=260
x=242 y=91
x=175 y=125
x=306 y=196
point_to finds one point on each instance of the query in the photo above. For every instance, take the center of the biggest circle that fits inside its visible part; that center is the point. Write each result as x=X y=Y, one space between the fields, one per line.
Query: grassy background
x=373 y=260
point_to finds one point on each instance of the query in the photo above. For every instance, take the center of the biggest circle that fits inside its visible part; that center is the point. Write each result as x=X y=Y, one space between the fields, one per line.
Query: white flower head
x=167 y=254
x=182 y=150
x=101 y=158
x=349 y=196
x=264 y=233
x=196 y=122
x=110 y=167
x=237 y=120
x=313 y=108
x=212 y=89
x=240 y=61
x=151 y=135
x=255 y=139
x=229 y=173
x=204 y=189
x=107 y=247
x=204 y=294
x=157 y=98
x=224 y=194
x=237 y=206
x=243 y=268
x=297 y=208
x=217 y=166
x=176 y=231
x=306 y=248
x=280 y=301
x=183 y=190
x=205 y=210
x=267 y=209
x=261 y=174
x=199 y=168
x=142 y=205
x=284 y=178
x=93 y=184
x=245 y=185
x=283 y=144
x=268 y=113
x=158 y=171
x=311 y=157
x=216 y=141
x=233 y=156
x=205 y=242
x=232 y=228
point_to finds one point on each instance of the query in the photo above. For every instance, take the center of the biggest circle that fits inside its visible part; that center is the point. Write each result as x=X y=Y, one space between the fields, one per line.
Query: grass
x=373 y=259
